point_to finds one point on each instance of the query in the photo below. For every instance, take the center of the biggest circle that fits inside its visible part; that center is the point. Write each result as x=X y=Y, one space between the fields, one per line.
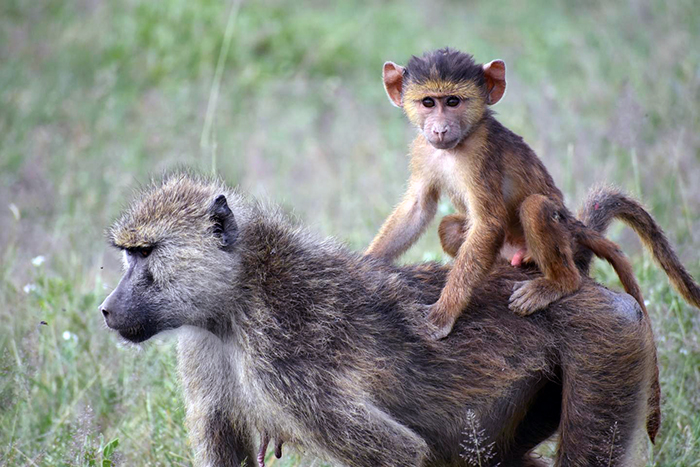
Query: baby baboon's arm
x=474 y=258
x=407 y=222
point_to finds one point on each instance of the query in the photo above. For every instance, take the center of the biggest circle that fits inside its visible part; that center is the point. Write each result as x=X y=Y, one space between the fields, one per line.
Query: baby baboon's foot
x=440 y=321
x=533 y=295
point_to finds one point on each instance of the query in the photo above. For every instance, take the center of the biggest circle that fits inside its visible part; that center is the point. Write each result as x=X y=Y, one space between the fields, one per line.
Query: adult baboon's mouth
x=135 y=333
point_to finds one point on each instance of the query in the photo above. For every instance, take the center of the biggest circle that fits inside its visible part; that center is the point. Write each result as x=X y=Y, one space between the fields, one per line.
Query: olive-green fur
x=298 y=337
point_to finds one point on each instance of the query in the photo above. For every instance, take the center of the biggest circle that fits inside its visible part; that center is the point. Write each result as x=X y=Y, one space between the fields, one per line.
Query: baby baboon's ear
x=393 y=82
x=225 y=227
x=495 y=74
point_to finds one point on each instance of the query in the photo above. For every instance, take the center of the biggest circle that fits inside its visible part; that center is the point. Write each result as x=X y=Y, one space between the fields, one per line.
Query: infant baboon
x=500 y=188
x=298 y=339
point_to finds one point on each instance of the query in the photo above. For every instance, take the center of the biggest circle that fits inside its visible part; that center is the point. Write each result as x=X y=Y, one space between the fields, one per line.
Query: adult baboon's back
x=298 y=338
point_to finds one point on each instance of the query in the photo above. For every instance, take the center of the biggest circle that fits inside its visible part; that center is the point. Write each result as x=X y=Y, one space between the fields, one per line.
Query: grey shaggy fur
x=284 y=334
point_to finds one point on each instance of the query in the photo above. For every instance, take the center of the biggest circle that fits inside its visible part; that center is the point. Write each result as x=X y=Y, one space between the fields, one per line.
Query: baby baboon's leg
x=452 y=231
x=548 y=242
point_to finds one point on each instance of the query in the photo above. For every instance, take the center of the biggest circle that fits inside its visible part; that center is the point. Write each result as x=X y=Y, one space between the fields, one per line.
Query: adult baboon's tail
x=605 y=204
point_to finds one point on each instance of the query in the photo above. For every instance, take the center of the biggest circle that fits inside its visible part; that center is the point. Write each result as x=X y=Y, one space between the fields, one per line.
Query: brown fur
x=602 y=206
x=297 y=338
x=463 y=151
x=605 y=204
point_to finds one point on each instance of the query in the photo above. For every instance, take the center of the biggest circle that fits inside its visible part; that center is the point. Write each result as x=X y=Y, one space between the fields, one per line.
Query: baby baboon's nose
x=439 y=132
x=104 y=311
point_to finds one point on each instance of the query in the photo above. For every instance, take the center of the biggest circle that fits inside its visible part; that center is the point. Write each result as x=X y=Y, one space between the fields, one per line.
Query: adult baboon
x=297 y=338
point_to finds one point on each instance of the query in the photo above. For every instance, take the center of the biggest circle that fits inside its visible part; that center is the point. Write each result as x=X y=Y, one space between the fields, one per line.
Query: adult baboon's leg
x=608 y=373
x=217 y=428
x=357 y=433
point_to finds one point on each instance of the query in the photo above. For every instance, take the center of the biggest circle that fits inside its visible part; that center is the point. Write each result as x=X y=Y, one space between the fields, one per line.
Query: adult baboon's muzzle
x=112 y=309
x=127 y=315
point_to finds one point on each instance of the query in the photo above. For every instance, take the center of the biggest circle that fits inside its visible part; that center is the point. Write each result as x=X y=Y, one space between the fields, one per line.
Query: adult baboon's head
x=179 y=241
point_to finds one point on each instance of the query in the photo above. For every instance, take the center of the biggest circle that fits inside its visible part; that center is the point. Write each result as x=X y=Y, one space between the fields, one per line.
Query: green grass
x=96 y=96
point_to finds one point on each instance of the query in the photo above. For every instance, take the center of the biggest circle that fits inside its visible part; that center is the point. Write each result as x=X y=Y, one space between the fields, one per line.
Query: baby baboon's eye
x=145 y=252
x=452 y=101
x=428 y=102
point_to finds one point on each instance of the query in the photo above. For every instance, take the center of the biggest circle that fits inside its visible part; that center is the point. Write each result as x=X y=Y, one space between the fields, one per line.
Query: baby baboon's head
x=180 y=255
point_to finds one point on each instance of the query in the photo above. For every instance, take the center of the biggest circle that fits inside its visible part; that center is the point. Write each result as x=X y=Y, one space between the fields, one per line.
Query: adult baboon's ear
x=393 y=82
x=225 y=227
x=495 y=73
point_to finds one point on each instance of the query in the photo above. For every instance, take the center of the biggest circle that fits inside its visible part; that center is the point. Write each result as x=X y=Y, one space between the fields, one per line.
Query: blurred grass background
x=96 y=96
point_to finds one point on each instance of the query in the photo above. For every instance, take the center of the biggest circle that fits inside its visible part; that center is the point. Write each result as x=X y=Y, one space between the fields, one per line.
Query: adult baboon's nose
x=107 y=308
x=106 y=313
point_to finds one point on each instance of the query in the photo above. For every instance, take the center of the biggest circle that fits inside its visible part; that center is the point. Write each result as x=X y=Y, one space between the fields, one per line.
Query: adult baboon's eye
x=452 y=101
x=428 y=102
x=143 y=251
